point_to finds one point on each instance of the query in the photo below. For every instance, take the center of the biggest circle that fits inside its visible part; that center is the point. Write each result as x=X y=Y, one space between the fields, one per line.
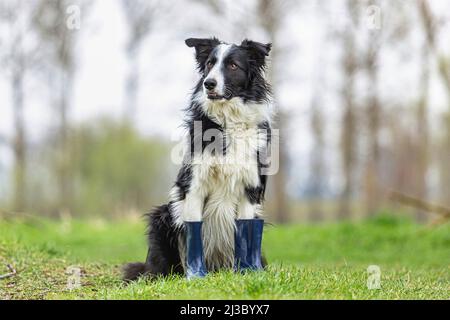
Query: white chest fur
x=232 y=168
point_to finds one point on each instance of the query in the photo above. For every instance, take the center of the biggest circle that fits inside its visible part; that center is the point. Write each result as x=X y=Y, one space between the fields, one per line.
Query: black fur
x=196 y=115
x=184 y=180
x=246 y=82
x=163 y=257
x=203 y=48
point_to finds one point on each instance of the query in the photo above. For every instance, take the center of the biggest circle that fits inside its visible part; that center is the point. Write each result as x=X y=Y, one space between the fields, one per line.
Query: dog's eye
x=233 y=66
x=209 y=65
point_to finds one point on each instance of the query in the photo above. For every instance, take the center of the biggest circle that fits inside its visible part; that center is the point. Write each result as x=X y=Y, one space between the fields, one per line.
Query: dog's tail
x=133 y=271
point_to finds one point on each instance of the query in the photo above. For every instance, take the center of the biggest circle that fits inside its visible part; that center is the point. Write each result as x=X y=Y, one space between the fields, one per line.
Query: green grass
x=306 y=262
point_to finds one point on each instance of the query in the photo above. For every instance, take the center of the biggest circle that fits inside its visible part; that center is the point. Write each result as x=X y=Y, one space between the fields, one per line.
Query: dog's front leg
x=248 y=236
x=246 y=210
x=193 y=207
x=192 y=217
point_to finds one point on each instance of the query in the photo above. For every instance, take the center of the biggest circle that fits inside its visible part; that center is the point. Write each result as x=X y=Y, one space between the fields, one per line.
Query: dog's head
x=230 y=70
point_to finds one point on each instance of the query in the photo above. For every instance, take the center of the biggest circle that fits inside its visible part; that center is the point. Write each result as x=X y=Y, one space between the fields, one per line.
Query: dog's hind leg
x=163 y=257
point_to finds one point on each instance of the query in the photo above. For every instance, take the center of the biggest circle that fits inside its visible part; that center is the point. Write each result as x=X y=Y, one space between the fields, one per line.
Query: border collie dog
x=213 y=218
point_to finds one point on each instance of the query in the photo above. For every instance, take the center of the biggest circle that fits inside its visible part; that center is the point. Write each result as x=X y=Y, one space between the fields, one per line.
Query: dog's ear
x=257 y=51
x=203 y=48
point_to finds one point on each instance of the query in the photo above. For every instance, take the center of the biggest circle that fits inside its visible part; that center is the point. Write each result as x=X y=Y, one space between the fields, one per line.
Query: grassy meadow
x=326 y=261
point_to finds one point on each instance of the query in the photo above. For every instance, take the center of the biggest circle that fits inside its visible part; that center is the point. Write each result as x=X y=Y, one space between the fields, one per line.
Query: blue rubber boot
x=247 y=245
x=195 y=262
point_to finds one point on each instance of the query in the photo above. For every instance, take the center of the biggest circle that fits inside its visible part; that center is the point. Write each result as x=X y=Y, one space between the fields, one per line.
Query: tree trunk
x=132 y=85
x=269 y=13
x=281 y=205
x=429 y=23
x=348 y=161
x=64 y=172
x=318 y=177
x=349 y=119
x=19 y=145
x=280 y=200
x=445 y=164
x=372 y=183
x=423 y=133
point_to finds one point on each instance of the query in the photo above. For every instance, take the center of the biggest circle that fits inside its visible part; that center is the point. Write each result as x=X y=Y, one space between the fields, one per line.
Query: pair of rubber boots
x=247 y=247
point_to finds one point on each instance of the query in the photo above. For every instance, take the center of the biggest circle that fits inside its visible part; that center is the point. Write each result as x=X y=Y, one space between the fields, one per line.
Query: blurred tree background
x=113 y=171
x=92 y=94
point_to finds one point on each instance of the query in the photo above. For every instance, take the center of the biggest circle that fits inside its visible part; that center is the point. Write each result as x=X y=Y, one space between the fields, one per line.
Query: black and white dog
x=212 y=220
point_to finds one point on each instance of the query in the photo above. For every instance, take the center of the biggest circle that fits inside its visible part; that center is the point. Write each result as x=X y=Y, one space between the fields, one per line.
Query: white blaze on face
x=216 y=72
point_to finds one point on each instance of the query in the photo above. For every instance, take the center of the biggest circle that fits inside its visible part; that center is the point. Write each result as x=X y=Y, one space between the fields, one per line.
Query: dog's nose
x=210 y=84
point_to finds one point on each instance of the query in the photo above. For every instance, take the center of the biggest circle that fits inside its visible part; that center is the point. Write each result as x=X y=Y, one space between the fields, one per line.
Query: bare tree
x=349 y=141
x=140 y=16
x=58 y=38
x=271 y=14
x=236 y=18
x=18 y=55
x=318 y=166
x=423 y=129
x=431 y=24
x=318 y=175
x=431 y=28
x=372 y=172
